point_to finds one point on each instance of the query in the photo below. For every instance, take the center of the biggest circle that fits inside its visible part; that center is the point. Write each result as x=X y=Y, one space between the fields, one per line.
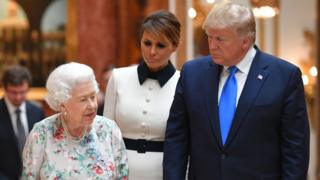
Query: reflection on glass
x=13 y=32
x=38 y=44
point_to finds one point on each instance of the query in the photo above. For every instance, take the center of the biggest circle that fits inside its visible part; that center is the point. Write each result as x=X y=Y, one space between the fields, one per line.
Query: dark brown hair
x=162 y=24
x=15 y=75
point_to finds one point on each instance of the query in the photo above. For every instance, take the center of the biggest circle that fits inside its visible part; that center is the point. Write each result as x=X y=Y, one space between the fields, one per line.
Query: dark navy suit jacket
x=269 y=137
x=10 y=160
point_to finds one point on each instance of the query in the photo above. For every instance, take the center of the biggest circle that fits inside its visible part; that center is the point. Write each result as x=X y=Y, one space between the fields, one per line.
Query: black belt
x=142 y=145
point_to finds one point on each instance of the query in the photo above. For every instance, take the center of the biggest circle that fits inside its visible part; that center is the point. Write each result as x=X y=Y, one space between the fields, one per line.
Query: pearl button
x=144 y=112
x=147 y=100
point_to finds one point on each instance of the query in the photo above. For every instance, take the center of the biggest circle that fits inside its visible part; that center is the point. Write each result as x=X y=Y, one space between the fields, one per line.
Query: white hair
x=227 y=14
x=63 y=79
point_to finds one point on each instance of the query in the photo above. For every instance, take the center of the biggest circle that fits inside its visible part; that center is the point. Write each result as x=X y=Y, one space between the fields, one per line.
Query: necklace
x=69 y=136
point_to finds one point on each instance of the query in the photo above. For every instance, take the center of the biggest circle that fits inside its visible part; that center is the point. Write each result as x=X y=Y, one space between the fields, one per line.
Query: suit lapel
x=6 y=122
x=29 y=116
x=212 y=75
x=255 y=80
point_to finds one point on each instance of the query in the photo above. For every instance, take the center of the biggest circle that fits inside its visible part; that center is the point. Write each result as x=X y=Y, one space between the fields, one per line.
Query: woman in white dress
x=74 y=143
x=139 y=97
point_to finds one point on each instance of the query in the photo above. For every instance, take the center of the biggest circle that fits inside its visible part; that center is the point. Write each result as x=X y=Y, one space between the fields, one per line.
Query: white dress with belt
x=141 y=111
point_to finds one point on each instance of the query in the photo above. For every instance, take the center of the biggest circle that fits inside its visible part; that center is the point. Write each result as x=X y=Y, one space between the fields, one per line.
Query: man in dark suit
x=238 y=114
x=17 y=117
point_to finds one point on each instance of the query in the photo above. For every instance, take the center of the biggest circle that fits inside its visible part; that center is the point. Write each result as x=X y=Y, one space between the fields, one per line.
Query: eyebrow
x=88 y=94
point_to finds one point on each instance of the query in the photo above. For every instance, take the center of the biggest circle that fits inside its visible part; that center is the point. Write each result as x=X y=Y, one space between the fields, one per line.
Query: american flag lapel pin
x=260 y=77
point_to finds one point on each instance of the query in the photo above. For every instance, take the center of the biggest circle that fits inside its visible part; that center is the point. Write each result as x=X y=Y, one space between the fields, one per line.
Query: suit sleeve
x=3 y=177
x=110 y=98
x=42 y=115
x=295 y=131
x=176 y=145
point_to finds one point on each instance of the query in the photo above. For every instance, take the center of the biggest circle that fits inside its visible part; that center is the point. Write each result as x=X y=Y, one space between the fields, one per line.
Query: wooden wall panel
x=97 y=34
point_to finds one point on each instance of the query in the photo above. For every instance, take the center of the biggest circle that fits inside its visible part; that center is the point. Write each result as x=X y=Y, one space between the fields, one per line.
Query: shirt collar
x=12 y=108
x=245 y=63
x=162 y=75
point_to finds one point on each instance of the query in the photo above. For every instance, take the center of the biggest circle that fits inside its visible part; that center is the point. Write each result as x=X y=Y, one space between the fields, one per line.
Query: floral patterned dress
x=50 y=154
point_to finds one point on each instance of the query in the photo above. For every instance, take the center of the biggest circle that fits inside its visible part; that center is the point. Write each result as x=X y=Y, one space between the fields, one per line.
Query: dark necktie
x=227 y=104
x=21 y=136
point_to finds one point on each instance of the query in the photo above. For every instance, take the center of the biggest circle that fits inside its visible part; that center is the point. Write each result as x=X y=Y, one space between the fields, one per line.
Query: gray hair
x=63 y=79
x=227 y=14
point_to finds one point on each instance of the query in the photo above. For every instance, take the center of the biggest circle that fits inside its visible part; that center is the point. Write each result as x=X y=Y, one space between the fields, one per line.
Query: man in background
x=17 y=117
x=106 y=74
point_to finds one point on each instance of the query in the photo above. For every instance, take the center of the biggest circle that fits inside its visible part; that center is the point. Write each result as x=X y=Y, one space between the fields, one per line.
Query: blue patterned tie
x=227 y=104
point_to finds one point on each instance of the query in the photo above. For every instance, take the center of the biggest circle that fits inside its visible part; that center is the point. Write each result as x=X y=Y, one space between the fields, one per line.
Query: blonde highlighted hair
x=227 y=14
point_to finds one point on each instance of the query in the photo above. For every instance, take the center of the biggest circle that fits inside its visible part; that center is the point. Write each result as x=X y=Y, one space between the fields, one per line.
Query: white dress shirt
x=13 y=116
x=241 y=75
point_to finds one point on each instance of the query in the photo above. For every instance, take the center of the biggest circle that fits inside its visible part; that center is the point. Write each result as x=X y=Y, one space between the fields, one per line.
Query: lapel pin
x=260 y=76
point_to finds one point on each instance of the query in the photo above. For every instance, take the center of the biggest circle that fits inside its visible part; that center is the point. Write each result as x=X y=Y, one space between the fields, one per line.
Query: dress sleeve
x=120 y=155
x=33 y=153
x=110 y=98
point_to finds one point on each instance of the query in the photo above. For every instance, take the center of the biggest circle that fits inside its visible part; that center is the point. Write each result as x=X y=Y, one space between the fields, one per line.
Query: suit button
x=223 y=156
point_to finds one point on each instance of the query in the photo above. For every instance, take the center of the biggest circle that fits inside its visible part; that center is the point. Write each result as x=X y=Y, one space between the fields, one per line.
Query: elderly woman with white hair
x=74 y=143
